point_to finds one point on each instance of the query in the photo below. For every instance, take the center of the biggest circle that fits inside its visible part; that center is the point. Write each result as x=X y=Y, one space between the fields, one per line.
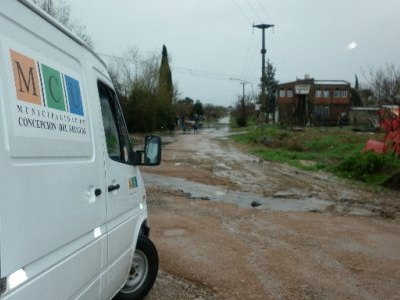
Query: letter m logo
x=26 y=78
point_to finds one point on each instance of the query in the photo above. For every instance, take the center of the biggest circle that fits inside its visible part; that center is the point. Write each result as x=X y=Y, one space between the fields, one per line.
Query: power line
x=250 y=45
x=208 y=74
x=246 y=17
x=194 y=72
x=264 y=10
x=254 y=10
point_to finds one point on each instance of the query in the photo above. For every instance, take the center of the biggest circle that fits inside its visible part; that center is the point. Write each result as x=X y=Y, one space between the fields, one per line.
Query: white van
x=73 y=215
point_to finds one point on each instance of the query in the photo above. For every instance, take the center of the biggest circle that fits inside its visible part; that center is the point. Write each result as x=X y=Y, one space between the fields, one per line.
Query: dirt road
x=229 y=226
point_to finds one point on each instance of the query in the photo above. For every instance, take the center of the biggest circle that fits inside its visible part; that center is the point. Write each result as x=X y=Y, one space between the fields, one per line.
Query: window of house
x=325 y=94
x=340 y=94
x=318 y=93
x=289 y=93
x=337 y=94
x=282 y=93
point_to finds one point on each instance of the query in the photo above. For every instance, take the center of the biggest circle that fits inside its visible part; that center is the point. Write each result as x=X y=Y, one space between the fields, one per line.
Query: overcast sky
x=211 y=41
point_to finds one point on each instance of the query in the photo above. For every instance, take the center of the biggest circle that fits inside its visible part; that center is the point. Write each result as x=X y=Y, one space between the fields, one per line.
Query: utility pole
x=243 y=83
x=263 y=77
x=243 y=104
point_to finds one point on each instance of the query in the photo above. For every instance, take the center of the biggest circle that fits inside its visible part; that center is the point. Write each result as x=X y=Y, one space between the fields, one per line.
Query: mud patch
x=289 y=201
x=393 y=182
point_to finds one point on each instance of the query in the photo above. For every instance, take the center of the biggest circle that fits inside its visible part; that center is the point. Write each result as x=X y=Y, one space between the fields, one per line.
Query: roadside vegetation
x=334 y=150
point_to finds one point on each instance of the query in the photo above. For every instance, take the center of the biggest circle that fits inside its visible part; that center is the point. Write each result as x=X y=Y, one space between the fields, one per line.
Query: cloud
x=351 y=46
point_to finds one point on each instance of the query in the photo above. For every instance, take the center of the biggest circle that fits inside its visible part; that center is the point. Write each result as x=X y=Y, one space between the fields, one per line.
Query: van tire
x=143 y=271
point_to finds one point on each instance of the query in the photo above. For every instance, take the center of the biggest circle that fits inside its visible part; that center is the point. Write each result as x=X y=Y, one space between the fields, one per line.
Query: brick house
x=313 y=102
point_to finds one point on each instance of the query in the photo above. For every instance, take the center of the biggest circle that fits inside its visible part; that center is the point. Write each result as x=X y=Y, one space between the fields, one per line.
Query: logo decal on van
x=56 y=86
x=49 y=101
x=74 y=95
x=26 y=78
x=132 y=183
x=54 y=92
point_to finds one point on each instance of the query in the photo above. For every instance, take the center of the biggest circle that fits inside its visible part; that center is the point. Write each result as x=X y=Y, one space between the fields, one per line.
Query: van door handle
x=97 y=192
x=113 y=187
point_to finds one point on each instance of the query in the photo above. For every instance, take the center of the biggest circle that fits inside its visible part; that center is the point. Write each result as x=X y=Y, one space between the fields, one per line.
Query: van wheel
x=143 y=273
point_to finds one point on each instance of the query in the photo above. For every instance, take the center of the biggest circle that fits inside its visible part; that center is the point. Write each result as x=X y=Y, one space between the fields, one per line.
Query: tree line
x=144 y=84
x=149 y=96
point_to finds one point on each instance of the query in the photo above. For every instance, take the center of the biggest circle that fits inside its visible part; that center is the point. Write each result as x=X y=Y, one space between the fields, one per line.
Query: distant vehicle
x=73 y=214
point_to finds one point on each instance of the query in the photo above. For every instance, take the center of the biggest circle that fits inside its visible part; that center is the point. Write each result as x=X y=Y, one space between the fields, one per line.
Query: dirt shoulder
x=217 y=250
x=210 y=158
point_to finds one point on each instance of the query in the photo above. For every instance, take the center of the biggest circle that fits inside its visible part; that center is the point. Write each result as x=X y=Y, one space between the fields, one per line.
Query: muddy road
x=229 y=226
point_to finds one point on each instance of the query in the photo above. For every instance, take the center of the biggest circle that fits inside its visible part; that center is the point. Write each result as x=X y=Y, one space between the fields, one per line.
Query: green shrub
x=329 y=149
x=294 y=145
x=366 y=165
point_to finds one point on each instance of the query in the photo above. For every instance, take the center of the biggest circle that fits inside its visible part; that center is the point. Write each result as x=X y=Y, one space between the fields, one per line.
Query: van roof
x=32 y=6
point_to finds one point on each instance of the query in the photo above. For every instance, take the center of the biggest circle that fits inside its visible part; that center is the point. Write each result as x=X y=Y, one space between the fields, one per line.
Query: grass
x=331 y=149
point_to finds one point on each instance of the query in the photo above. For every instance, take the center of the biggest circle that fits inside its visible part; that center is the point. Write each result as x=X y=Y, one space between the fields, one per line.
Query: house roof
x=312 y=81
x=331 y=82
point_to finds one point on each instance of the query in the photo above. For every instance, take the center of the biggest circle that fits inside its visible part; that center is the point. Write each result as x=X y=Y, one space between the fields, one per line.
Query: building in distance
x=310 y=102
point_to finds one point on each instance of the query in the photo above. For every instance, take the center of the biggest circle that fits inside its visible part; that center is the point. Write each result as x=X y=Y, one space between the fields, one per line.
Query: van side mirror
x=151 y=155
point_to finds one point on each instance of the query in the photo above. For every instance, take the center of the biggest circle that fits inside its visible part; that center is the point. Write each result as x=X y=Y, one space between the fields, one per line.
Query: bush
x=362 y=165
x=241 y=121
x=294 y=145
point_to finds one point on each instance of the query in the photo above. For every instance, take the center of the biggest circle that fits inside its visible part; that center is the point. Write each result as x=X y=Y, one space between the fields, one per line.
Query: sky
x=213 y=45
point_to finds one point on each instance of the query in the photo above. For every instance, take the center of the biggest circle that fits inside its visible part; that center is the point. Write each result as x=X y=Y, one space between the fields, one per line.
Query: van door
x=123 y=198
x=52 y=203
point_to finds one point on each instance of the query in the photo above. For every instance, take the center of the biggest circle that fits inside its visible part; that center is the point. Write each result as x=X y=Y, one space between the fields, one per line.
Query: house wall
x=325 y=103
x=332 y=100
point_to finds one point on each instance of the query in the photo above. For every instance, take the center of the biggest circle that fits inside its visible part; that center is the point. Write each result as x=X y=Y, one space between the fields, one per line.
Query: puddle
x=263 y=185
x=242 y=199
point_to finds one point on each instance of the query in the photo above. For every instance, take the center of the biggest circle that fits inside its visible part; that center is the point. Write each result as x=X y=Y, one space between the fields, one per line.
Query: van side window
x=119 y=147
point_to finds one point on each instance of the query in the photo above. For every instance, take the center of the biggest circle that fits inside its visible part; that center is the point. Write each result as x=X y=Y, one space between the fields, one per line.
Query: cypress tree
x=356 y=86
x=165 y=115
x=165 y=88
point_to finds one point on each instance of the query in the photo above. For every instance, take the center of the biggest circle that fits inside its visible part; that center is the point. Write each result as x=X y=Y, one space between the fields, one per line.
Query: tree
x=355 y=97
x=208 y=111
x=146 y=111
x=165 y=87
x=61 y=11
x=355 y=94
x=198 y=109
x=356 y=85
x=385 y=83
x=271 y=86
x=184 y=107
x=243 y=109
x=145 y=89
x=213 y=112
x=165 y=92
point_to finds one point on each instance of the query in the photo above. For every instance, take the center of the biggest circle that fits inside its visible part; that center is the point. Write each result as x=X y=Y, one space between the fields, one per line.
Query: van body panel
x=117 y=273
x=124 y=208
x=86 y=279
x=60 y=223
x=45 y=161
